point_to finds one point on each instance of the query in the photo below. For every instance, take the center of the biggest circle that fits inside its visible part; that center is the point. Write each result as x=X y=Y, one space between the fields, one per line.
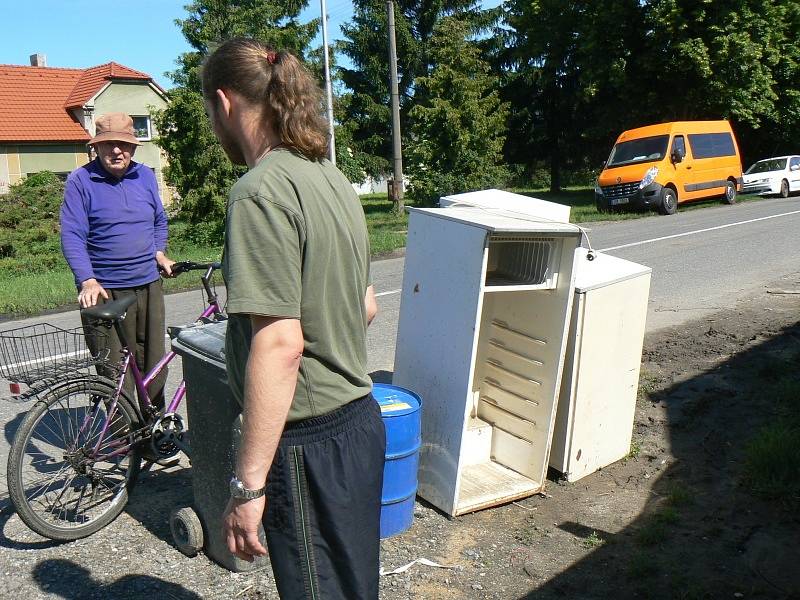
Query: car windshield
x=764 y=166
x=641 y=150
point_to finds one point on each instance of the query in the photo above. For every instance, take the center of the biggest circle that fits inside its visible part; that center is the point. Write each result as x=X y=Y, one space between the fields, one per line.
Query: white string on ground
x=421 y=561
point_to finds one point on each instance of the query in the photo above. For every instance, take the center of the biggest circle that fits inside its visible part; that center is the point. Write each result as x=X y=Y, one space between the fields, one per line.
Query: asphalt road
x=702 y=261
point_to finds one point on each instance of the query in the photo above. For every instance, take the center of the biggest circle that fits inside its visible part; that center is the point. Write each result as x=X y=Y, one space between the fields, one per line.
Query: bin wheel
x=187 y=532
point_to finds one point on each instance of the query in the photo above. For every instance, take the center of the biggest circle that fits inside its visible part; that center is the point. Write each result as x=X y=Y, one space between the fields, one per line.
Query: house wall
x=5 y=176
x=20 y=160
x=51 y=157
x=137 y=99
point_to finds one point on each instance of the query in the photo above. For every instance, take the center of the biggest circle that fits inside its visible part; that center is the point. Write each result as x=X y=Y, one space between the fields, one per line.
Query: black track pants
x=323 y=505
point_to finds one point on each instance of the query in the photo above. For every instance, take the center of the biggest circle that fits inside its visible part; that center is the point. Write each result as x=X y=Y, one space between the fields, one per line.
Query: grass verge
x=30 y=293
x=771 y=468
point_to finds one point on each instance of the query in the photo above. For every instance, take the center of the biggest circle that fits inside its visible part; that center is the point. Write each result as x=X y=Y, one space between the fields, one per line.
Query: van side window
x=710 y=145
x=678 y=145
x=795 y=162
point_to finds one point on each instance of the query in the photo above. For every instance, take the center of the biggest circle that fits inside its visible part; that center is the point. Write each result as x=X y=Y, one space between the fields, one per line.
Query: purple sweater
x=110 y=228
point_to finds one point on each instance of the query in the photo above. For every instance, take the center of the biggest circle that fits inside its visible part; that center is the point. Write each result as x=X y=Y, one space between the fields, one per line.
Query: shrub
x=29 y=227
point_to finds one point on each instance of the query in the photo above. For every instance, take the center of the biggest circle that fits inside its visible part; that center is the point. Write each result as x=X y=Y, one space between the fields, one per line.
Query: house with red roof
x=47 y=115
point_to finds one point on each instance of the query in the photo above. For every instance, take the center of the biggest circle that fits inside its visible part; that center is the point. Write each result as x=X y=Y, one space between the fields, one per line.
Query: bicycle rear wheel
x=59 y=489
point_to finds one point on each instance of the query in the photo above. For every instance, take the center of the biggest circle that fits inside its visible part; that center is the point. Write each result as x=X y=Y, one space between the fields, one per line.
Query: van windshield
x=765 y=166
x=640 y=150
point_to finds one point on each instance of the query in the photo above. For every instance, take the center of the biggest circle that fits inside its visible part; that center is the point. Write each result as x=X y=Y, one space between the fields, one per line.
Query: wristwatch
x=239 y=491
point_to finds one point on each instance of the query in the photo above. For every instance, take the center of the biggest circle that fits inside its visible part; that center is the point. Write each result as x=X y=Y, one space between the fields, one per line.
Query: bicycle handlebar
x=188 y=265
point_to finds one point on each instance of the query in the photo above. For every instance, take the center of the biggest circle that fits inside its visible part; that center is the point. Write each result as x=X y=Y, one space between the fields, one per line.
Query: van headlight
x=649 y=177
x=597 y=190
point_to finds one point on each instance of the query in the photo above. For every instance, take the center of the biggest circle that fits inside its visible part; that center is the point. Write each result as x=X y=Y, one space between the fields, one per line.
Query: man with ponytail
x=296 y=266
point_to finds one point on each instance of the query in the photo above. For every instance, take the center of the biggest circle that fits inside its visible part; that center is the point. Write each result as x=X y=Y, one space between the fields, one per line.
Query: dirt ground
x=674 y=520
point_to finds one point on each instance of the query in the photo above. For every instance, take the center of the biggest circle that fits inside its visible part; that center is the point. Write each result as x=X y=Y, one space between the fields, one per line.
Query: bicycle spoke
x=78 y=501
x=55 y=433
x=45 y=500
x=48 y=482
x=63 y=415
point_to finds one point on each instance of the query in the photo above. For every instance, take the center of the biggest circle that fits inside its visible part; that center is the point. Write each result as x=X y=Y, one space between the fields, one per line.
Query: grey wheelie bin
x=213 y=418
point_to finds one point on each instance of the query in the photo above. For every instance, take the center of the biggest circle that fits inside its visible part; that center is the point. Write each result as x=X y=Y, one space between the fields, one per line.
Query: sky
x=85 y=33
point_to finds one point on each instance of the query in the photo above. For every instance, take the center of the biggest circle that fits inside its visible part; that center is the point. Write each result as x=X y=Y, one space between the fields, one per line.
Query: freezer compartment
x=522 y=261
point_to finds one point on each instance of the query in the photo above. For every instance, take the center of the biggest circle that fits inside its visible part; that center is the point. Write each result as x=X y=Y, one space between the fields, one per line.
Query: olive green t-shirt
x=296 y=246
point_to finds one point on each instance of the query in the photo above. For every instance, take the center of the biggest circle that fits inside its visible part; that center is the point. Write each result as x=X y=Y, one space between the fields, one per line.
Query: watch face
x=237 y=488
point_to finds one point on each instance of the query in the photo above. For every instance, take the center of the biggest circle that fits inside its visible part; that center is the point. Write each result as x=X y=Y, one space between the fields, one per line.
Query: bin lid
x=395 y=401
x=603 y=270
x=206 y=340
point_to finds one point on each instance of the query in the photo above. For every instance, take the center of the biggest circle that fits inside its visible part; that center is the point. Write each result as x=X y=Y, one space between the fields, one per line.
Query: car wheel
x=730 y=192
x=669 y=202
x=784 y=189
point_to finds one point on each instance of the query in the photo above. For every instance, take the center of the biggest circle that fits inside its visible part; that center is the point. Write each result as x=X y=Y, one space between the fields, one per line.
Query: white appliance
x=596 y=407
x=515 y=205
x=481 y=338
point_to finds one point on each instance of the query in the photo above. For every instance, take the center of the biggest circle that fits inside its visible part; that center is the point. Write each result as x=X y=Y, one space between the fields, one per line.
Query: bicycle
x=78 y=450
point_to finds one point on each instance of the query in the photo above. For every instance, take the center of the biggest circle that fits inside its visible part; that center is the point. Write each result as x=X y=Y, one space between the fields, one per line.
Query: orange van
x=661 y=166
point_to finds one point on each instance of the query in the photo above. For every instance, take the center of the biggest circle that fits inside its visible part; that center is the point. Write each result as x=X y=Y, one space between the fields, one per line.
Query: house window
x=141 y=128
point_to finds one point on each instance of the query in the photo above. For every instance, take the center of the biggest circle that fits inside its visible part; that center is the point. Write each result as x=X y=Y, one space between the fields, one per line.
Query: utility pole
x=328 y=87
x=396 y=184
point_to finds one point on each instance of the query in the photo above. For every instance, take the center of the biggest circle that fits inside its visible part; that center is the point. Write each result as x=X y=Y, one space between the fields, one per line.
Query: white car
x=779 y=175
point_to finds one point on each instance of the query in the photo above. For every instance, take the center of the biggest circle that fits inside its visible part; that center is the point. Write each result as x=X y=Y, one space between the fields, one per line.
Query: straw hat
x=116 y=127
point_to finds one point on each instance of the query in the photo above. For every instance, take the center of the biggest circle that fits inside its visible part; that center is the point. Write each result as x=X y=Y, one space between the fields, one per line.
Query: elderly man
x=114 y=235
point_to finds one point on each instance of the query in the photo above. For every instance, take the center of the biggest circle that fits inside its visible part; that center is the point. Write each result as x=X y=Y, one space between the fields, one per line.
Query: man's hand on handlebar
x=165 y=264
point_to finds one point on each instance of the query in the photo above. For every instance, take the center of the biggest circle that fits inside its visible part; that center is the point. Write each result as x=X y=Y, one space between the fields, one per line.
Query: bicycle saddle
x=110 y=311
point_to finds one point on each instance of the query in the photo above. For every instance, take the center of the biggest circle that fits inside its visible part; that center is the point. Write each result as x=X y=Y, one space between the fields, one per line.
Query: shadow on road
x=71 y=581
x=703 y=533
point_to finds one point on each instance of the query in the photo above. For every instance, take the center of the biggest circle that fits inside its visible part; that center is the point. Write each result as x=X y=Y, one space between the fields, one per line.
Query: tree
x=735 y=59
x=367 y=106
x=567 y=79
x=578 y=73
x=29 y=225
x=458 y=131
x=198 y=167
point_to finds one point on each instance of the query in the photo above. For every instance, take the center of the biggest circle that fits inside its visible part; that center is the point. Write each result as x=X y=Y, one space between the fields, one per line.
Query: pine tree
x=458 y=131
x=198 y=168
x=366 y=107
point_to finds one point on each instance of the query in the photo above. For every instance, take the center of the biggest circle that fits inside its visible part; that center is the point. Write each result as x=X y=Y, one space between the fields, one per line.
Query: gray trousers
x=144 y=327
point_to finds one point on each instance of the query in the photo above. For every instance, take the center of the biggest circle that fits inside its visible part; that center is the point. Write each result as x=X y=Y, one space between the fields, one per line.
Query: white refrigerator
x=482 y=333
x=597 y=402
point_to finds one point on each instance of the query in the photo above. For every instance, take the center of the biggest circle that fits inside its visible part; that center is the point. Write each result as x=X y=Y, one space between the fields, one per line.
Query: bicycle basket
x=42 y=351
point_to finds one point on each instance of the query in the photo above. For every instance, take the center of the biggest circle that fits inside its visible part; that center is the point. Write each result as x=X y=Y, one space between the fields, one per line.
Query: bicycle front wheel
x=61 y=488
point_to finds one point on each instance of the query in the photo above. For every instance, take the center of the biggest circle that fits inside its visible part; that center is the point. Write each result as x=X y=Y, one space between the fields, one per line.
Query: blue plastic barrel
x=400 y=410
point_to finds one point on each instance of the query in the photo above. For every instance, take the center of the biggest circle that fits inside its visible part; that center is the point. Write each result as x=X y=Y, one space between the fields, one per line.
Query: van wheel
x=602 y=205
x=730 y=192
x=669 y=202
x=784 y=189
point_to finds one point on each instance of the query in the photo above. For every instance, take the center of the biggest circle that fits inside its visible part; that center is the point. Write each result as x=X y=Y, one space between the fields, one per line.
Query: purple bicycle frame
x=120 y=446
